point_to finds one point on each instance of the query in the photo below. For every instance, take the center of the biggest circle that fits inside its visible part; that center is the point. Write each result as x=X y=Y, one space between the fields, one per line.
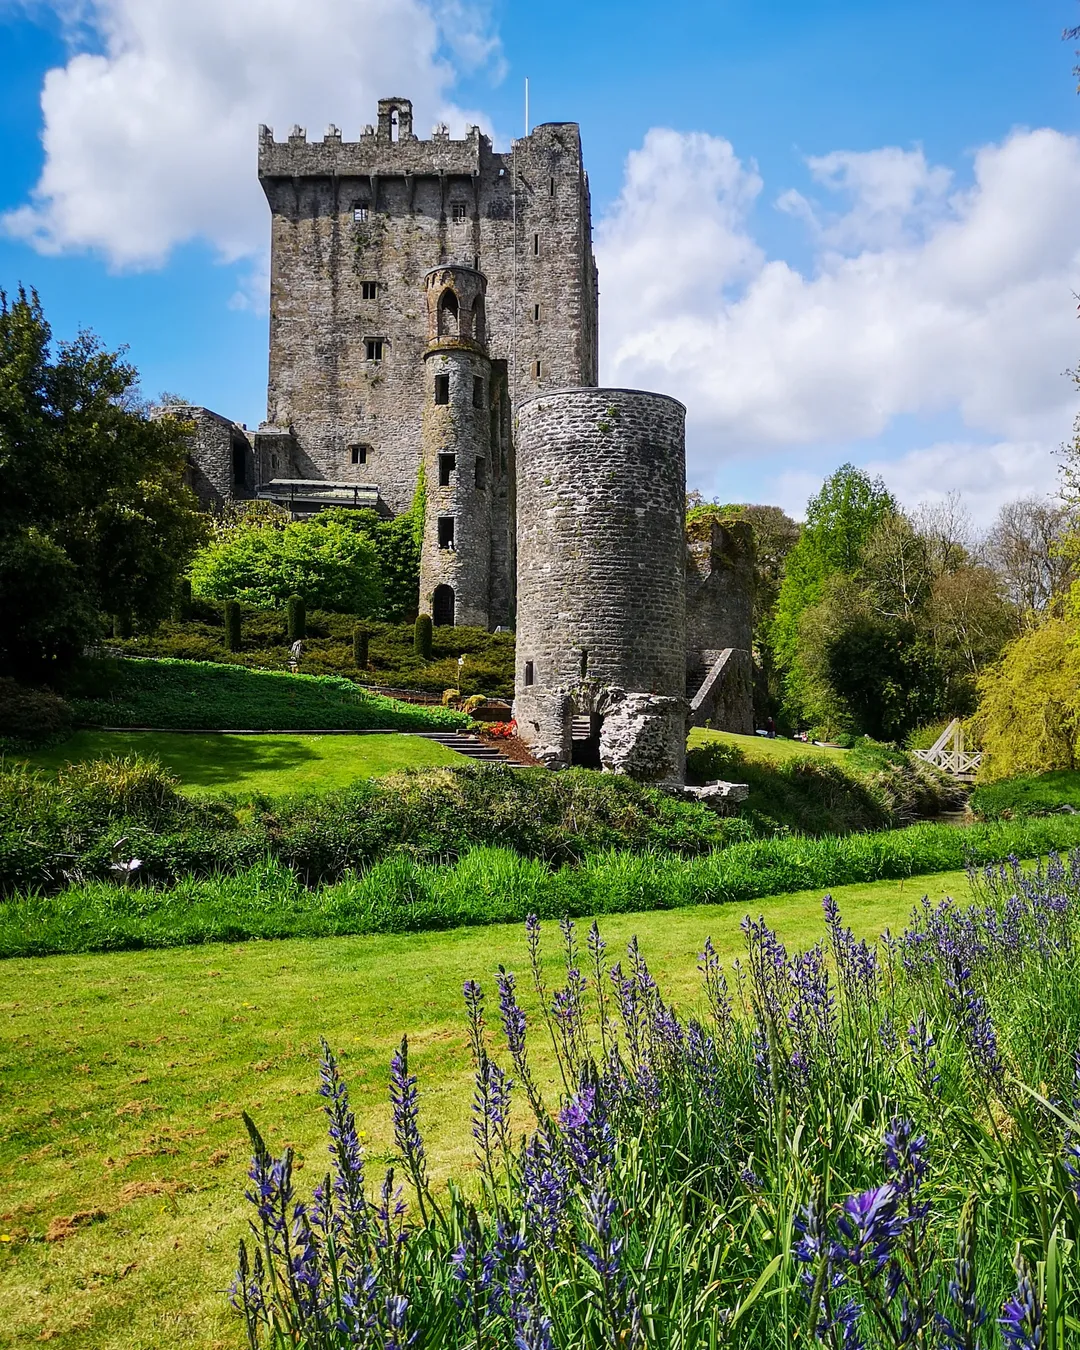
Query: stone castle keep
x=433 y=321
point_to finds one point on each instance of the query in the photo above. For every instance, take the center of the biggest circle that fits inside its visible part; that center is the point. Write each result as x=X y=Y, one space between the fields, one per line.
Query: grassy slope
x=246 y=764
x=1029 y=794
x=124 y=1077
x=770 y=751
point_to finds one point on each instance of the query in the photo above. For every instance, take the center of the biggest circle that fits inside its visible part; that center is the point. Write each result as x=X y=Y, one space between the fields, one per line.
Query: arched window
x=395 y=126
x=479 y=322
x=448 y=314
x=442 y=607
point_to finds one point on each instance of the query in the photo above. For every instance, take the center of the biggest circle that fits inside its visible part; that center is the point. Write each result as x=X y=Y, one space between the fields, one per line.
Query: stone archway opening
x=442 y=606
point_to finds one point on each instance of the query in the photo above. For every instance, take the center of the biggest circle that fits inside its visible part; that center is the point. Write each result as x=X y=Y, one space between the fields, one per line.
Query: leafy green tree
x=87 y=477
x=397 y=547
x=889 y=677
x=325 y=562
x=839 y=521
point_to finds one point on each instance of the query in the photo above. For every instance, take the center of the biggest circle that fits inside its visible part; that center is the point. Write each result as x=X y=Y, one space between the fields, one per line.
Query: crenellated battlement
x=389 y=147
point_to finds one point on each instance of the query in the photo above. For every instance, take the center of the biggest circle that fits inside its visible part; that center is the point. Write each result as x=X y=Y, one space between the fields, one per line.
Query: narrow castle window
x=536 y=369
x=536 y=313
x=584 y=664
x=478 y=391
x=373 y=348
x=481 y=475
x=359 y=453
x=394 y=125
x=457 y=210
x=529 y=674
x=479 y=322
x=536 y=245
x=446 y=532
x=448 y=314
x=476 y=262
x=442 y=388
x=447 y=465
x=369 y=290
x=552 y=188
x=359 y=213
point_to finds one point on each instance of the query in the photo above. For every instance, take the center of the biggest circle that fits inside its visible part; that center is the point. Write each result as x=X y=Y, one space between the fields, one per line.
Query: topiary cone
x=297 y=618
x=360 y=647
x=422 y=637
x=232 y=626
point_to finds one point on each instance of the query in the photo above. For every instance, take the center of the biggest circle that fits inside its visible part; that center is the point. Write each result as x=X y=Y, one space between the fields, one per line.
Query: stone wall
x=601 y=576
x=221 y=463
x=720 y=618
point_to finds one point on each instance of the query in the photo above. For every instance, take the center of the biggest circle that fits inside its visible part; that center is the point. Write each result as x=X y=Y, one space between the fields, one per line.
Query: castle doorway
x=442 y=607
x=585 y=740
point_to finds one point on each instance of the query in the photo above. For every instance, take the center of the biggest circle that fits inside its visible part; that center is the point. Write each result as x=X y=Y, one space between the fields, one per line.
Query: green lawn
x=247 y=764
x=771 y=751
x=122 y=1078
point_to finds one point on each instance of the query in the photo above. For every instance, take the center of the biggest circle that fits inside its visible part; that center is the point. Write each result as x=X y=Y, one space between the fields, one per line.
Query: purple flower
x=960 y=1328
x=404 y=1101
x=870 y=1226
x=904 y=1161
x=921 y=1042
x=716 y=989
x=1021 y=1319
x=491 y=1111
x=546 y=1184
x=345 y=1150
x=971 y=1012
x=587 y=1132
x=474 y=1009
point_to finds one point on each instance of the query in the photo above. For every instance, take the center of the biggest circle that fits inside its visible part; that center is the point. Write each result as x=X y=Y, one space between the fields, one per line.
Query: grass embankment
x=818 y=790
x=125 y=1074
x=242 y=765
x=493 y=886
x=1028 y=795
x=200 y=694
x=327 y=650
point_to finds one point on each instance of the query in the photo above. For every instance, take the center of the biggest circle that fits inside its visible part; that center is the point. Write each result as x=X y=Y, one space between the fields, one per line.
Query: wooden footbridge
x=951 y=755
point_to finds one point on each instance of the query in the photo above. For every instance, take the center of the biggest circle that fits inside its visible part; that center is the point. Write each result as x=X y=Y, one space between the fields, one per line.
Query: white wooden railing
x=950 y=754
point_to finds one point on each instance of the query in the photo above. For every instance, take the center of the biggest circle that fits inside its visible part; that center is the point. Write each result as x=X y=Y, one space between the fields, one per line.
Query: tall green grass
x=493 y=885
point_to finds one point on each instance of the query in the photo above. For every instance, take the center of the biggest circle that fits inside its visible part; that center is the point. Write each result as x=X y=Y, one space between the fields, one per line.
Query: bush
x=232 y=625
x=422 y=636
x=248 y=896
x=360 y=647
x=31 y=715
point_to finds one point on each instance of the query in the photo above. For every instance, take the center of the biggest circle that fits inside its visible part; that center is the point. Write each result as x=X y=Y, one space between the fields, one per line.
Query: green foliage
x=31 y=716
x=182 y=608
x=328 y=650
x=262 y=563
x=233 y=625
x=94 y=517
x=178 y=694
x=250 y=897
x=1028 y=795
x=871 y=788
x=422 y=636
x=1028 y=719
x=360 y=647
x=839 y=521
x=889 y=677
x=296 y=615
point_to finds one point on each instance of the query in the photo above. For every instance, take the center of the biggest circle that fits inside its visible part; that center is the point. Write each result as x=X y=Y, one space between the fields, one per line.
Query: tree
x=839 y=521
x=87 y=477
x=1028 y=546
x=887 y=674
x=1028 y=719
x=325 y=562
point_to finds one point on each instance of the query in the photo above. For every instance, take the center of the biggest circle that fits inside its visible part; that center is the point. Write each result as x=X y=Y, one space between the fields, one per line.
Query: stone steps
x=471 y=747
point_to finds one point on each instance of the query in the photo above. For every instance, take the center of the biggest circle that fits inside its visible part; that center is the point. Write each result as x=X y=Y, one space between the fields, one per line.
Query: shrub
x=31 y=715
x=360 y=647
x=1027 y=795
x=450 y=696
x=232 y=625
x=423 y=631
x=182 y=608
x=297 y=618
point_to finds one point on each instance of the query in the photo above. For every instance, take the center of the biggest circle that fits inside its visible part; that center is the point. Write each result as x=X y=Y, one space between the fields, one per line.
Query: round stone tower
x=455 y=561
x=601 y=604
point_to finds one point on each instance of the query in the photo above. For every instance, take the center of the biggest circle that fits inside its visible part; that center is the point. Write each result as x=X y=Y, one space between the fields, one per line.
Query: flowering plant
x=860 y=1145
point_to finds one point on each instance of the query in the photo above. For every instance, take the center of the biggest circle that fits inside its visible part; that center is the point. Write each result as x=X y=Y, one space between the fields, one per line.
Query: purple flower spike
x=1021 y=1319
x=870 y=1226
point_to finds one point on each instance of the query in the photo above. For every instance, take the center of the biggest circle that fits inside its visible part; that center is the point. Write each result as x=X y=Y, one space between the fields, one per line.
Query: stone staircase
x=471 y=747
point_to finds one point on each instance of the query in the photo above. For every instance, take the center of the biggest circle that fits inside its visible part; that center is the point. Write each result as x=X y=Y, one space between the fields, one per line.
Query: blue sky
x=858 y=221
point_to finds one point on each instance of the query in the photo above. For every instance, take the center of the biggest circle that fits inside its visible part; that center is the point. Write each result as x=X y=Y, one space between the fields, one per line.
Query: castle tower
x=601 y=664
x=455 y=562
x=355 y=227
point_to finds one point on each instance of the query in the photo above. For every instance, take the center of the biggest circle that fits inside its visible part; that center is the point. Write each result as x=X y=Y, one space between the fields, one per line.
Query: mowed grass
x=272 y=764
x=774 y=750
x=122 y=1079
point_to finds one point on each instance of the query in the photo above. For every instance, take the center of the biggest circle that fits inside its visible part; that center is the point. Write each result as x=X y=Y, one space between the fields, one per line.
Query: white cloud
x=923 y=301
x=150 y=141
